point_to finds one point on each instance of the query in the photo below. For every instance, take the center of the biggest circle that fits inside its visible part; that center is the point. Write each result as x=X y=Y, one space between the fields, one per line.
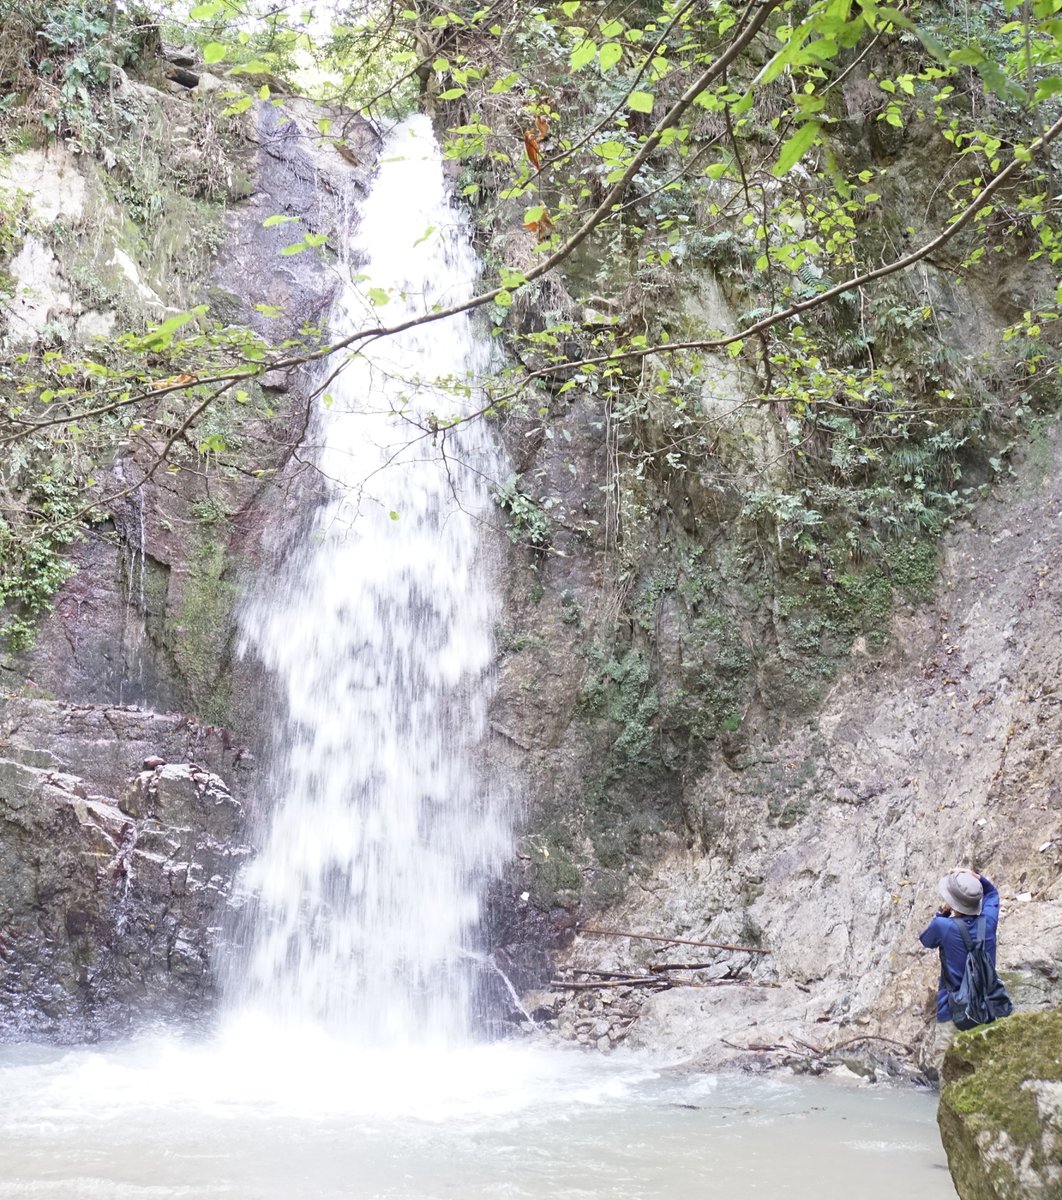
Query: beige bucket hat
x=963 y=891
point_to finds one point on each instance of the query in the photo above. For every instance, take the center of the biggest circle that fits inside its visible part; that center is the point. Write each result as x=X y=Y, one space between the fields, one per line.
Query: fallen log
x=660 y=982
x=579 y=986
x=653 y=937
x=681 y=966
x=603 y=974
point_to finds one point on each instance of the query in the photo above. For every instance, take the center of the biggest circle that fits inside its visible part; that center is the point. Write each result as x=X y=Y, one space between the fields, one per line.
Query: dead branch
x=653 y=937
x=660 y=985
x=681 y=966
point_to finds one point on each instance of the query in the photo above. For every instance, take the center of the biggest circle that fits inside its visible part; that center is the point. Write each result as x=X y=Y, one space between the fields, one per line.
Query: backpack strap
x=979 y=932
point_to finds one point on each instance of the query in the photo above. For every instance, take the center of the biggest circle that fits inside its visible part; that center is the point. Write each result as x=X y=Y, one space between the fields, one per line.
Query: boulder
x=1000 y=1112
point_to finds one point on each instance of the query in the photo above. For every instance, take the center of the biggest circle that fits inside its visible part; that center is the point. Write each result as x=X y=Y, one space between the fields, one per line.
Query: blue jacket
x=943 y=932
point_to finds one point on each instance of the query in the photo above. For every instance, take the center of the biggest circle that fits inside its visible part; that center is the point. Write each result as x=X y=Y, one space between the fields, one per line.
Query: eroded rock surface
x=128 y=731
x=118 y=849
x=824 y=845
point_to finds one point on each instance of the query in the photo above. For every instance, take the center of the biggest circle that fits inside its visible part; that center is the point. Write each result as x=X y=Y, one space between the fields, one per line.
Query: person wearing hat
x=967 y=896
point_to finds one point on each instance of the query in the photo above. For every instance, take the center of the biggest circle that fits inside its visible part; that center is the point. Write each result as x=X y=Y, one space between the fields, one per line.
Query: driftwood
x=652 y=937
x=576 y=985
x=604 y=974
x=660 y=983
x=872 y=1037
x=816 y=1051
x=681 y=966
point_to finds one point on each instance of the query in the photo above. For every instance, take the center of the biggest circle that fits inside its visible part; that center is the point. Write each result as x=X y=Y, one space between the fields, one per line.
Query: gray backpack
x=981 y=997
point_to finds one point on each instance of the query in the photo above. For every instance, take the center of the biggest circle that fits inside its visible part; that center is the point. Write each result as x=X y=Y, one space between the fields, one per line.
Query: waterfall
x=378 y=630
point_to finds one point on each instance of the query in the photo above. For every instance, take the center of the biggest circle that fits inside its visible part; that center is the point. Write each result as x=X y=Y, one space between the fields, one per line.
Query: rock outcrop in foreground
x=1000 y=1110
x=118 y=849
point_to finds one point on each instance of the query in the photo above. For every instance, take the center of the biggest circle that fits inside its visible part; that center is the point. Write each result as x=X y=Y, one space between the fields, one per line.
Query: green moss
x=1037 y=454
x=199 y=633
x=646 y=604
x=986 y=1071
x=513 y=642
x=554 y=873
x=913 y=566
x=792 y=812
x=619 y=690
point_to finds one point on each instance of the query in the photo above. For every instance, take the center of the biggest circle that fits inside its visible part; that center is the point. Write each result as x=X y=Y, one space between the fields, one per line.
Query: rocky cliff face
x=147 y=617
x=721 y=738
x=117 y=856
x=823 y=844
x=128 y=732
x=1001 y=1109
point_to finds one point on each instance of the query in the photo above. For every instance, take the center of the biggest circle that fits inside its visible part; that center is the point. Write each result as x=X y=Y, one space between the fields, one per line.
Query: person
x=967 y=895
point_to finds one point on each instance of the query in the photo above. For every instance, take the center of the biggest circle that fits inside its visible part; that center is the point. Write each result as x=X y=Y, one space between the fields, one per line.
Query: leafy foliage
x=617 y=157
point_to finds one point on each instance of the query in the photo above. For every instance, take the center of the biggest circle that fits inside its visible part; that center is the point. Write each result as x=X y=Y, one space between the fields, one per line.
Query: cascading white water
x=379 y=634
x=379 y=631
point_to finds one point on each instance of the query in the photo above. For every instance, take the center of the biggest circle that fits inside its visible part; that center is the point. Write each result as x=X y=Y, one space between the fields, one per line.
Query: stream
x=243 y=1119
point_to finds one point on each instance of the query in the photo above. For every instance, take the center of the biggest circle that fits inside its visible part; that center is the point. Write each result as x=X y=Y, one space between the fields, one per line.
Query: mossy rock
x=1000 y=1112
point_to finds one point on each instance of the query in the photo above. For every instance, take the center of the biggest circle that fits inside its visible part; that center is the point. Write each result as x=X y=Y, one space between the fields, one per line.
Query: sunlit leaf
x=583 y=53
x=640 y=102
x=794 y=148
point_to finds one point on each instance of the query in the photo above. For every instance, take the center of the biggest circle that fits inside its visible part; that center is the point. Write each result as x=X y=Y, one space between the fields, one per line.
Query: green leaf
x=794 y=148
x=640 y=102
x=612 y=29
x=536 y=213
x=295 y=248
x=609 y=55
x=277 y=219
x=239 y=106
x=570 y=7
x=214 y=52
x=970 y=56
x=254 y=67
x=393 y=515
x=583 y=54
x=611 y=150
x=451 y=94
x=379 y=297
x=203 y=12
x=504 y=299
x=161 y=336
